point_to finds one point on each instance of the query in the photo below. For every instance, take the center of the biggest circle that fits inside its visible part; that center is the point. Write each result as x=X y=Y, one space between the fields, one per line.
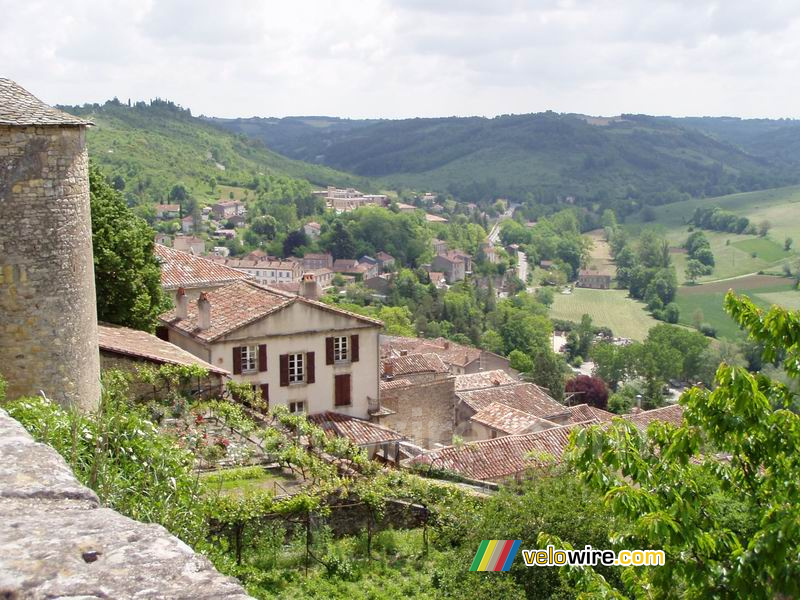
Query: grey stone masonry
x=57 y=542
x=48 y=312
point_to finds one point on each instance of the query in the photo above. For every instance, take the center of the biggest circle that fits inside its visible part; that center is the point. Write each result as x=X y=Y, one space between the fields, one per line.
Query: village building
x=434 y=218
x=459 y=359
x=193 y=273
x=317 y=261
x=403 y=207
x=439 y=246
x=437 y=279
x=312 y=229
x=490 y=253
x=594 y=279
x=222 y=211
x=267 y=271
x=187 y=224
x=451 y=264
x=385 y=261
x=164 y=239
x=129 y=350
x=346 y=200
x=375 y=439
x=189 y=243
x=299 y=353
x=167 y=211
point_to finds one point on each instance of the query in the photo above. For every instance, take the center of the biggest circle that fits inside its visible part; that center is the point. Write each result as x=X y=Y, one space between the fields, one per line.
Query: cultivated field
x=600 y=256
x=611 y=308
x=763 y=290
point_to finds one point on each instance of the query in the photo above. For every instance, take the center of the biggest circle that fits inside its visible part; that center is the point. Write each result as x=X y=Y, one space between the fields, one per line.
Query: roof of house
x=168 y=207
x=672 y=413
x=181 y=269
x=142 y=345
x=414 y=363
x=507 y=419
x=527 y=397
x=258 y=263
x=384 y=256
x=483 y=379
x=391 y=384
x=434 y=218
x=592 y=273
x=436 y=276
x=450 y=352
x=359 y=431
x=19 y=107
x=344 y=264
x=313 y=225
x=450 y=256
x=240 y=303
x=503 y=456
x=584 y=412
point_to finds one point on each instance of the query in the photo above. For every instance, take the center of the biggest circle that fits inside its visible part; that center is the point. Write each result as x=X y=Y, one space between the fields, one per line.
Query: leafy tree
x=549 y=371
x=341 y=243
x=178 y=194
x=787 y=244
x=127 y=273
x=763 y=228
x=694 y=269
x=295 y=239
x=589 y=390
x=610 y=363
x=728 y=527
x=265 y=225
x=520 y=361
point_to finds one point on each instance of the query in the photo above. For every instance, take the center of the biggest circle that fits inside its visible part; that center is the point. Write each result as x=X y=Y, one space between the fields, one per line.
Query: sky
x=407 y=58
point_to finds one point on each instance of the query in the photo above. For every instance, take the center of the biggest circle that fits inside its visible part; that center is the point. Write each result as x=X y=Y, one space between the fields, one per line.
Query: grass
x=763 y=290
x=249 y=479
x=764 y=249
x=610 y=308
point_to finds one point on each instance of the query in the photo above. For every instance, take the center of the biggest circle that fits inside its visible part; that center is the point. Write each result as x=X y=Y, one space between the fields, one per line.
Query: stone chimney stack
x=48 y=309
x=181 y=304
x=388 y=369
x=203 y=311
x=309 y=287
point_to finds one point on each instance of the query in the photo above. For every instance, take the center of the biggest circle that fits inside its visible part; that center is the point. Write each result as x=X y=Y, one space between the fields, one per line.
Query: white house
x=300 y=353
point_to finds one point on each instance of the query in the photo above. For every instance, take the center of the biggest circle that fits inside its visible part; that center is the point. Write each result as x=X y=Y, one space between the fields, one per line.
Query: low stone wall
x=57 y=542
x=351 y=519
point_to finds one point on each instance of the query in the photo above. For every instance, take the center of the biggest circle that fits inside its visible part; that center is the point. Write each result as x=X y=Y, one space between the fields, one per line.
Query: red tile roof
x=360 y=432
x=502 y=457
x=527 y=397
x=414 y=363
x=672 y=413
x=142 y=345
x=484 y=379
x=450 y=352
x=181 y=269
x=584 y=412
x=508 y=420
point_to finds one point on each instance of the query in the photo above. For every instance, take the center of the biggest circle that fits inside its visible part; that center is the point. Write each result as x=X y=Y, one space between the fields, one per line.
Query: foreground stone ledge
x=57 y=542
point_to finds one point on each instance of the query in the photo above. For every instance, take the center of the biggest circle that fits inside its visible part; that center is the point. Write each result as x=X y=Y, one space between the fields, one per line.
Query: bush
x=707 y=330
x=672 y=313
x=577 y=361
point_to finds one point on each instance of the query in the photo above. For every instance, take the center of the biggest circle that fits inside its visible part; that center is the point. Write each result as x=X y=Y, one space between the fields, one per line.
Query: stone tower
x=48 y=314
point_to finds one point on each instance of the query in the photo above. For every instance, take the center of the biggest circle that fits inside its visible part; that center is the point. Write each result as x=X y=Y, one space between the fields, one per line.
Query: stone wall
x=48 y=314
x=57 y=542
x=423 y=411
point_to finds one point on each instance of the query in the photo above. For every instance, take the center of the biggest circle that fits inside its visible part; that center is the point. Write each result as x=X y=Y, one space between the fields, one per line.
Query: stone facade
x=48 y=314
x=422 y=411
x=56 y=541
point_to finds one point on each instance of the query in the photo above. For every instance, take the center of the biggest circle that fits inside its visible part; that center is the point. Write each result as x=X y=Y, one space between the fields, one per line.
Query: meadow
x=610 y=308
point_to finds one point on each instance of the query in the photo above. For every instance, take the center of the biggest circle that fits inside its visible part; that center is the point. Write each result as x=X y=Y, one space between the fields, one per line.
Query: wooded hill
x=648 y=160
x=152 y=146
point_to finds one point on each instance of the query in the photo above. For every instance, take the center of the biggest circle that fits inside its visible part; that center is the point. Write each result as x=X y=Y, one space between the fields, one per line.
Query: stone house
x=167 y=211
x=223 y=211
x=189 y=243
x=300 y=353
x=194 y=274
x=594 y=279
x=312 y=229
x=439 y=246
x=312 y=262
x=267 y=271
x=421 y=410
x=385 y=260
x=451 y=265
x=164 y=239
x=459 y=359
x=187 y=224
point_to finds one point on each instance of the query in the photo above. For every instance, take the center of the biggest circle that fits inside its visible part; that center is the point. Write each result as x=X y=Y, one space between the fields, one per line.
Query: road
x=522 y=267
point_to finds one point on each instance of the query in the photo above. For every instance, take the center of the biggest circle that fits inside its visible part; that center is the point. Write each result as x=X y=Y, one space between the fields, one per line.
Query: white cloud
x=396 y=58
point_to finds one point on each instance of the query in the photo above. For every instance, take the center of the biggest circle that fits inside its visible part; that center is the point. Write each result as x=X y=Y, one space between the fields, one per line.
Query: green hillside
x=154 y=146
x=631 y=158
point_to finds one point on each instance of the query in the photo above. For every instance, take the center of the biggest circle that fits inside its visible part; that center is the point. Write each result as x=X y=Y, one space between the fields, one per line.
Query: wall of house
x=48 y=312
x=302 y=328
x=423 y=411
x=491 y=361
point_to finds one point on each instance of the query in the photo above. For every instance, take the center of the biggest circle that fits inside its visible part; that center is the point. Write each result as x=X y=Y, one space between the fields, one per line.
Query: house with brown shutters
x=302 y=354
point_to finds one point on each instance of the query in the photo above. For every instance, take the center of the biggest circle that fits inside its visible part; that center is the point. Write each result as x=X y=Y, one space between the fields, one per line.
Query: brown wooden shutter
x=284 y=368
x=262 y=357
x=328 y=350
x=353 y=348
x=265 y=393
x=310 y=368
x=342 y=390
x=237 y=360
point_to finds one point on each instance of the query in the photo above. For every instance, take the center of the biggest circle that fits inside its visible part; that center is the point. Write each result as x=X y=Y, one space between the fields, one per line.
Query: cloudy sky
x=404 y=58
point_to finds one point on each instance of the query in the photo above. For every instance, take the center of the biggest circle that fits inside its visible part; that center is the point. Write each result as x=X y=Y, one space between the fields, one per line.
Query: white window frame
x=249 y=359
x=341 y=349
x=297 y=368
x=297 y=407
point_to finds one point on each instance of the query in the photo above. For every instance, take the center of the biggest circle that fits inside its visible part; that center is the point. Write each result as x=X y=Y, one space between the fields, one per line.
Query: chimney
x=403 y=352
x=388 y=369
x=181 y=304
x=203 y=312
x=309 y=288
x=447 y=345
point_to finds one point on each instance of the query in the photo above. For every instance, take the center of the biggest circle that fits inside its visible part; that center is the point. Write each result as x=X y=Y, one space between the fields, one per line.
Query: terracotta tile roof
x=584 y=412
x=436 y=277
x=502 y=457
x=508 y=420
x=140 y=344
x=258 y=263
x=391 y=384
x=450 y=352
x=384 y=256
x=414 y=363
x=672 y=413
x=19 y=107
x=527 y=397
x=181 y=269
x=344 y=265
x=484 y=379
x=359 y=431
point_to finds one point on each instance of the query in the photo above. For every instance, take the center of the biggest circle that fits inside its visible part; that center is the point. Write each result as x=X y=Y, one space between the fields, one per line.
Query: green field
x=610 y=308
x=763 y=290
x=764 y=249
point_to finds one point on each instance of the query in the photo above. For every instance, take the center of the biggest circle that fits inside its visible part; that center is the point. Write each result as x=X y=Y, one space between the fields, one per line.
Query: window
x=297 y=407
x=340 y=350
x=296 y=368
x=249 y=359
